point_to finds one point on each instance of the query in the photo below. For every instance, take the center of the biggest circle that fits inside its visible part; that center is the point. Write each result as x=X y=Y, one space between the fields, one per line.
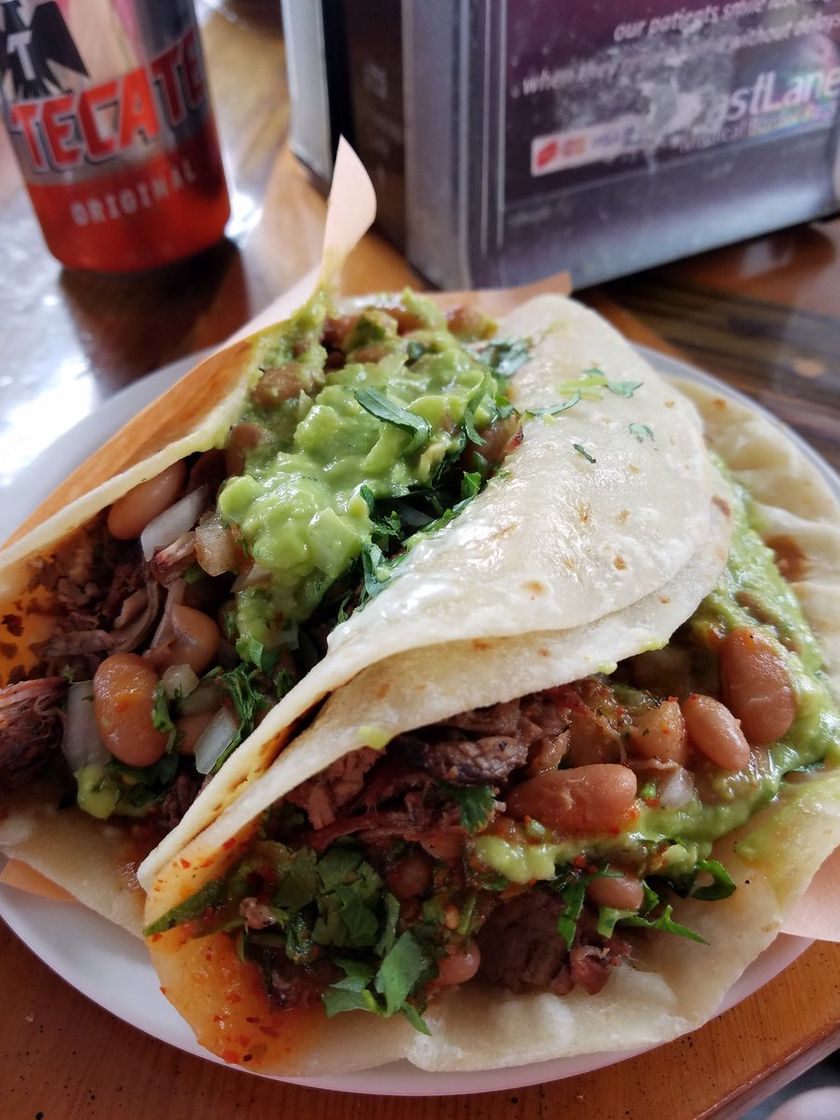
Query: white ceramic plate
x=110 y=967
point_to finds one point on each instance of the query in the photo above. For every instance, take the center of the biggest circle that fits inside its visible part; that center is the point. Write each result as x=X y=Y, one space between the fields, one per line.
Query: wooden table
x=765 y=316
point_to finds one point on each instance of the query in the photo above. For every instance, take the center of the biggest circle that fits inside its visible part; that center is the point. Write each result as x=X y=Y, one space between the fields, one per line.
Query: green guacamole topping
x=391 y=422
x=750 y=593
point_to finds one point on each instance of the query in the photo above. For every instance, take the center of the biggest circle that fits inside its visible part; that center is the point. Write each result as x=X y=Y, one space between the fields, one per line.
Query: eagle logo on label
x=32 y=51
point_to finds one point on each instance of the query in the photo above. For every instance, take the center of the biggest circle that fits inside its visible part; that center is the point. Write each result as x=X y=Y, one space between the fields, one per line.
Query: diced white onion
x=676 y=789
x=215 y=739
x=173 y=522
x=174 y=596
x=179 y=680
x=81 y=743
x=214 y=548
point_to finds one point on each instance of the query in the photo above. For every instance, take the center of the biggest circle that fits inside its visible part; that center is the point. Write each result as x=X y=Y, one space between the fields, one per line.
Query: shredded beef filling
x=522 y=950
x=30 y=726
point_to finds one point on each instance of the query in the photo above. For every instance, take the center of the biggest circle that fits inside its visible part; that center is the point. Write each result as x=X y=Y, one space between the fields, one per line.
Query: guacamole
x=352 y=429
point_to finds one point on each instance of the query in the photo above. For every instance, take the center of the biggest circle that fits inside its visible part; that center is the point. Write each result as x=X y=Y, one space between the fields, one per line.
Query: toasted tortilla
x=673 y=985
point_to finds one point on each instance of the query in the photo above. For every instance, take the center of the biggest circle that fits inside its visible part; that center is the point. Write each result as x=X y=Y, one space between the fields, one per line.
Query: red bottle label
x=123 y=168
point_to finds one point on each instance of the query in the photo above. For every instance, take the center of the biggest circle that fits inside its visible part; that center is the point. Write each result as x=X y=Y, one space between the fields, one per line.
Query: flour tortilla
x=675 y=985
x=566 y=534
x=527 y=554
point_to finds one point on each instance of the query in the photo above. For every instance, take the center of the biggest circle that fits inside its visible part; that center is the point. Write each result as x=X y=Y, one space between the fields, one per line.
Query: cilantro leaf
x=339 y=866
x=415 y=1018
x=337 y=999
x=556 y=409
x=504 y=356
x=651 y=915
x=470 y=485
x=573 y=895
x=299 y=946
x=359 y=921
x=469 y=423
x=402 y=968
x=581 y=450
x=664 y=923
x=721 y=886
x=623 y=388
x=378 y=405
x=161 y=719
x=299 y=884
x=641 y=432
x=212 y=894
x=357 y=975
x=414 y=350
x=389 y=932
x=475 y=803
x=375 y=570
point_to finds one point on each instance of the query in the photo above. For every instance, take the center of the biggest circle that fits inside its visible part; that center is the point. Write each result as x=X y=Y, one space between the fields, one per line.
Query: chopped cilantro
x=475 y=803
x=556 y=409
x=623 y=388
x=581 y=450
x=640 y=431
x=573 y=895
x=378 y=405
x=389 y=932
x=161 y=718
x=652 y=914
x=607 y=919
x=470 y=485
x=415 y=350
x=469 y=423
x=503 y=356
x=375 y=570
x=648 y=791
x=721 y=886
x=212 y=894
x=400 y=971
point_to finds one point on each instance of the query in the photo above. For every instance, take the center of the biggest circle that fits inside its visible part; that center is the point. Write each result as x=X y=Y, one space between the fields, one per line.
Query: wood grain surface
x=764 y=316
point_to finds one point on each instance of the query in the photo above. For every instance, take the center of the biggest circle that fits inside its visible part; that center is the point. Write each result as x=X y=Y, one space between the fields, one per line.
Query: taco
x=519 y=840
x=149 y=626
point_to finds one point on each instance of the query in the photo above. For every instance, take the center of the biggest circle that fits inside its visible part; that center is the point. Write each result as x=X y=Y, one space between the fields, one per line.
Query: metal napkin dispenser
x=509 y=139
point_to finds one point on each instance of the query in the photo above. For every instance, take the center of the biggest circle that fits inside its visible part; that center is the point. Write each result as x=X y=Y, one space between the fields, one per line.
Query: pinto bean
x=592 y=739
x=756 y=686
x=715 y=732
x=191 y=728
x=584 y=799
x=336 y=329
x=468 y=322
x=660 y=733
x=130 y=514
x=444 y=845
x=243 y=437
x=458 y=966
x=123 y=700
x=411 y=876
x=195 y=644
x=277 y=384
x=623 y=893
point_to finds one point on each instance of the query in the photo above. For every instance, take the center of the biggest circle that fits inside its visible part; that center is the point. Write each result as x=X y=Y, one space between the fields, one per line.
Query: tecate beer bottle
x=107 y=106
